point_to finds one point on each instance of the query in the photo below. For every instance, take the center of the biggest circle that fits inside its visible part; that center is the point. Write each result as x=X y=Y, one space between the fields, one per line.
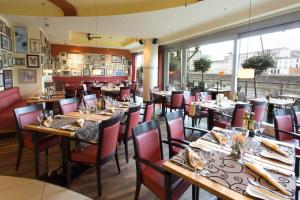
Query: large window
x=175 y=68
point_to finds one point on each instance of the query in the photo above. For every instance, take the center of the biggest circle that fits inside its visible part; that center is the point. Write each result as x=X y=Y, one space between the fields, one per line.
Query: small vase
x=237 y=154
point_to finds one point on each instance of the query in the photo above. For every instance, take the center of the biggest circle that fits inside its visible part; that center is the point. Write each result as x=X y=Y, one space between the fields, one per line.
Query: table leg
x=66 y=163
x=270 y=114
x=210 y=119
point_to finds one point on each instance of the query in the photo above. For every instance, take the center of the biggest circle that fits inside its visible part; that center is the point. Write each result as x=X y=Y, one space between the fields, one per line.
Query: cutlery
x=256 y=184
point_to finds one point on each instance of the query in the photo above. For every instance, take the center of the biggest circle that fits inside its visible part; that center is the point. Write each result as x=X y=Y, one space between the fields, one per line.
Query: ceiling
x=168 y=25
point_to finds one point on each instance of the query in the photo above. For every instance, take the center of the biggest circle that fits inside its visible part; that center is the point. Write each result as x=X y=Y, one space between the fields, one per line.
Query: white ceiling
x=173 y=23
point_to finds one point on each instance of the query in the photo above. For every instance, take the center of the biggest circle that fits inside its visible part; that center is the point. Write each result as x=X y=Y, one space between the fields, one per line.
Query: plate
x=262 y=193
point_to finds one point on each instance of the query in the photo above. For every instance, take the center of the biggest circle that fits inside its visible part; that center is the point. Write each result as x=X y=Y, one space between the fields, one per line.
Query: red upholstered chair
x=90 y=100
x=188 y=99
x=296 y=114
x=124 y=93
x=149 y=110
x=236 y=120
x=176 y=134
x=149 y=159
x=259 y=108
x=205 y=96
x=125 y=132
x=68 y=105
x=99 y=153
x=36 y=142
x=134 y=89
x=176 y=101
x=284 y=129
x=197 y=95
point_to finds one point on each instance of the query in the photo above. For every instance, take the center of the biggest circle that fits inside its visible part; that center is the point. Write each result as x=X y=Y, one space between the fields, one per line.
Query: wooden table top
x=214 y=187
x=44 y=100
x=163 y=93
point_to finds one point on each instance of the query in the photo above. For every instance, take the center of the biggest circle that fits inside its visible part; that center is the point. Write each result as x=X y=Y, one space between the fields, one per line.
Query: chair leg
x=137 y=190
x=46 y=157
x=98 y=173
x=195 y=192
x=117 y=160
x=36 y=162
x=20 y=152
x=126 y=150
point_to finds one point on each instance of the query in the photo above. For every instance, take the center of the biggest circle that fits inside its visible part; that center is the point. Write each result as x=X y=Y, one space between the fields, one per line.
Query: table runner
x=231 y=174
x=88 y=132
x=256 y=149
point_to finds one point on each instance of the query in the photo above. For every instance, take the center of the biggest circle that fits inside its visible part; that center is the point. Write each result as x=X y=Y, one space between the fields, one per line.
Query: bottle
x=251 y=125
x=245 y=120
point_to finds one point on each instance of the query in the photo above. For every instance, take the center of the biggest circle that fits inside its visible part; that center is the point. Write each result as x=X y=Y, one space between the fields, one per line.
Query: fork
x=256 y=184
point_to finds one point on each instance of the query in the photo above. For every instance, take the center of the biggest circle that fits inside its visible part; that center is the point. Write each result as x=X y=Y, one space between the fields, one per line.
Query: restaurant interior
x=149 y=99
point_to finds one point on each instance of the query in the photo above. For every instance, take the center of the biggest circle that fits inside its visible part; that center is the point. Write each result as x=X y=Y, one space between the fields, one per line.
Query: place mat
x=256 y=149
x=226 y=171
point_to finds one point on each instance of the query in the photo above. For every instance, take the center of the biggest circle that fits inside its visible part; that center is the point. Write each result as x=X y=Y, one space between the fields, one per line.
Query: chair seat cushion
x=44 y=143
x=176 y=150
x=87 y=155
x=155 y=182
x=222 y=123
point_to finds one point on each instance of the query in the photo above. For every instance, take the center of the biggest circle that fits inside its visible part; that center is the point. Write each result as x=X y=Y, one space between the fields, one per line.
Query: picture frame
x=86 y=72
x=4 y=59
x=63 y=54
x=129 y=62
x=102 y=64
x=27 y=76
x=21 y=41
x=19 y=61
x=116 y=59
x=8 y=31
x=108 y=58
x=76 y=72
x=9 y=60
x=6 y=42
x=101 y=72
x=72 y=56
x=102 y=58
x=33 y=61
x=2 y=27
x=34 y=46
x=7 y=79
x=125 y=61
x=72 y=63
x=65 y=73
x=96 y=63
x=1 y=80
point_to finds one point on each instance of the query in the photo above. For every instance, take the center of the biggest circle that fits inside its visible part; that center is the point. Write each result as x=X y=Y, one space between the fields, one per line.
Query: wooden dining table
x=68 y=134
x=163 y=96
x=220 y=183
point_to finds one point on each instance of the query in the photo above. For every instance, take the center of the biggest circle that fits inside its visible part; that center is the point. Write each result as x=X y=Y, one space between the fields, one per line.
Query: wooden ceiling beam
x=67 y=8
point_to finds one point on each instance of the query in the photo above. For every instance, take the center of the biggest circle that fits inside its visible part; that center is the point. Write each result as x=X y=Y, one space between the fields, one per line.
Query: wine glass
x=260 y=127
x=206 y=157
x=81 y=109
x=40 y=118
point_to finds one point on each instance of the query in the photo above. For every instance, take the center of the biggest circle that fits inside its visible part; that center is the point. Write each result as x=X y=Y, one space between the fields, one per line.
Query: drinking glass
x=40 y=118
x=206 y=156
x=81 y=109
x=260 y=127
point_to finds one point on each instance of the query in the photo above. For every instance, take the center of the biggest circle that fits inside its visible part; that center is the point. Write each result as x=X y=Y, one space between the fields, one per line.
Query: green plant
x=202 y=65
x=260 y=64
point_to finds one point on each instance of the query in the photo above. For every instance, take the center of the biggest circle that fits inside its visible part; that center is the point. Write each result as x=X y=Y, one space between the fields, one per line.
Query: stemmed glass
x=40 y=118
x=81 y=109
x=206 y=156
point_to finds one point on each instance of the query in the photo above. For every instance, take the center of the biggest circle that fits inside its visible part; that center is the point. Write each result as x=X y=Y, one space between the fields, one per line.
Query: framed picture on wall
x=7 y=79
x=1 y=65
x=1 y=79
x=34 y=46
x=33 y=61
x=4 y=59
x=76 y=72
x=101 y=72
x=96 y=63
x=19 y=61
x=86 y=72
x=102 y=58
x=72 y=55
x=6 y=42
x=63 y=54
x=129 y=62
x=108 y=58
x=27 y=75
x=9 y=60
x=125 y=61
x=21 y=41
x=116 y=59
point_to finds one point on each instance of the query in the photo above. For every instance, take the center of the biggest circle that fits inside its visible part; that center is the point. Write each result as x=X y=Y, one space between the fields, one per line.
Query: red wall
x=161 y=53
